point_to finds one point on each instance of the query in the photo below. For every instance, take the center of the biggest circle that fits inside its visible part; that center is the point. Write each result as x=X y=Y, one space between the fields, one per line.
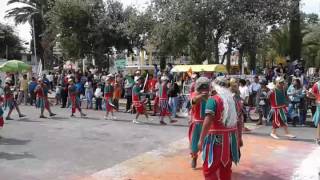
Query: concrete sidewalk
x=262 y=159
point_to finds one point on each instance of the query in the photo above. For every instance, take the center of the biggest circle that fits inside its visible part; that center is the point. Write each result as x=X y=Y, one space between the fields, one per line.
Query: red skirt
x=139 y=106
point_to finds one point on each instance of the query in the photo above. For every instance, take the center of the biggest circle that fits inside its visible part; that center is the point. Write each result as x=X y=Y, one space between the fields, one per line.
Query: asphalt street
x=63 y=148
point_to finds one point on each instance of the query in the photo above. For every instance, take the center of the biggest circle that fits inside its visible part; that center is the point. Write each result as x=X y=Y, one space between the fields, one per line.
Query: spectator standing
x=296 y=94
x=173 y=98
x=50 y=80
x=89 y=94
x=254 y=88
x=128 y=92
x=262 y=101
x=23 y=94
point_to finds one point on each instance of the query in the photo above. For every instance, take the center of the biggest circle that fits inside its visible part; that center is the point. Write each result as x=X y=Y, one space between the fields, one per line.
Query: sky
x=23 y=31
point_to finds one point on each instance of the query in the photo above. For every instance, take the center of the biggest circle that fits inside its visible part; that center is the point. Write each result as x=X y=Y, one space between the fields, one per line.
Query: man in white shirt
x=244 y=91
x=50 y=79
x=253 y=90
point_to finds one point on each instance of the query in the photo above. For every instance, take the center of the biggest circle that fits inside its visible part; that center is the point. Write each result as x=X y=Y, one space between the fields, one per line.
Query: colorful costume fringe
x=278 y=112
x=73 y=98
x=164 y=100
x=42 y=98
x=221 y=145
x=195 y=128
x=137 y=103
x=1 y=113
x=108 y=92
x=316 y=92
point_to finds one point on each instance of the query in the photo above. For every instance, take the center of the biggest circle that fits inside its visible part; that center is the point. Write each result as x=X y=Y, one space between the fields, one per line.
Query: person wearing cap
x=10 y=102
x=164 y=100
x=219 y=139
x=138 y=103
x=278 y=114
x=74 y=99
x=198 y=101
x=42 y=101
x=108 y=94
x=315 y=93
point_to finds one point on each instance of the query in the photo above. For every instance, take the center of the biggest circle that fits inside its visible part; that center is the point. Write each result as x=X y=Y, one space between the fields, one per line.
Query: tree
x=9 y=41
x=35 y=10
x=295 y=32
x=89 y=28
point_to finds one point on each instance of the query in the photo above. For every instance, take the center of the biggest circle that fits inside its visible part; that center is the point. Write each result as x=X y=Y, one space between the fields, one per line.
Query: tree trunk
x=216 y=49
x=229 y=51
x=240 y=61
x=295 y=33
x=252 y=58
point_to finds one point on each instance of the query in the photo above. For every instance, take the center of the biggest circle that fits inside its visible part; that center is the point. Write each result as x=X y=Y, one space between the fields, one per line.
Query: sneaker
x=72 y=115
x=194 y=163
x=83 y=115
x=22 y=115
x=290 y=136
x=9 y=118
x=43 y=117
x=106 y=117
x=173 y=121
x=135 y=122
x=114 y=118
x=163 y=123
x=52 y=114
x=274 y=136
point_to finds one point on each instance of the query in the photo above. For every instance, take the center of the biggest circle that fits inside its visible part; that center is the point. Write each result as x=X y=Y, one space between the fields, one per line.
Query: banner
x=120 y=64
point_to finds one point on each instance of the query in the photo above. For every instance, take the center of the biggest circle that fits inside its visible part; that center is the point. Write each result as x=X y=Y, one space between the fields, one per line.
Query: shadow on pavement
x=12 y=141
x=27 y=120
x=12 y=156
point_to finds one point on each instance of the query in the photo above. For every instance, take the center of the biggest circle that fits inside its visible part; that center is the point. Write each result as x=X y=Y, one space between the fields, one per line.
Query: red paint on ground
x=262 y=159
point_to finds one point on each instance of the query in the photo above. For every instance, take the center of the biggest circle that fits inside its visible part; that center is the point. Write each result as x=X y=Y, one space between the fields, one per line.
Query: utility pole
x=34 y=41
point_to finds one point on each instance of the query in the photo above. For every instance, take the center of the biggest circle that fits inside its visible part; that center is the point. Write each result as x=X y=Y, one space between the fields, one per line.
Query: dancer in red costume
x=1 y=109
x=198 y=101
x=219 y=138
x=138 y=103
x=9 y=101
x=278 y=113
x=108 y=94
x=41 y=92
x=75 y=101
x=164 y=101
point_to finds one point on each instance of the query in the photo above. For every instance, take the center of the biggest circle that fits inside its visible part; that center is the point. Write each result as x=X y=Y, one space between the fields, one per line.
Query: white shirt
x=244 y=92
x=50 y=77
x=254 y=87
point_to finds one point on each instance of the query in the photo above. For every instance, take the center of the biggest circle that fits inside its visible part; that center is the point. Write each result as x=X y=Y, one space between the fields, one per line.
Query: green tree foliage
x=29 y=10
x=9 y=41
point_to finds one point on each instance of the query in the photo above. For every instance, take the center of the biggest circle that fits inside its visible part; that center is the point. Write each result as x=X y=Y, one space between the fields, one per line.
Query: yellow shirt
x=24 y=85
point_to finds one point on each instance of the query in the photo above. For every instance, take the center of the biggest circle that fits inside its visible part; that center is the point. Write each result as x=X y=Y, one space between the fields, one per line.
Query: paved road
x=64 y=147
